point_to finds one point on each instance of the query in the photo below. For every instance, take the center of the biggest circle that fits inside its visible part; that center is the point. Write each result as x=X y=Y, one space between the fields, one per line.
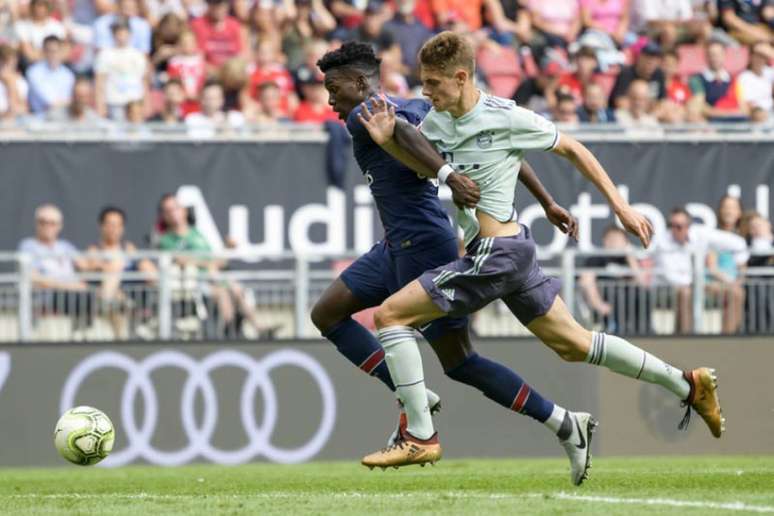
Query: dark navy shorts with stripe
x=494 y=268
x=379 y=273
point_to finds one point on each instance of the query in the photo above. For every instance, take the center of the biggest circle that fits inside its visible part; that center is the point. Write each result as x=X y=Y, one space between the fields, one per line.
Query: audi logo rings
x=139 y=438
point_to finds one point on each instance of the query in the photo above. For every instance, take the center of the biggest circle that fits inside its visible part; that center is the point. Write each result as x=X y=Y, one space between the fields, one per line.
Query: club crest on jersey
x=484 y=140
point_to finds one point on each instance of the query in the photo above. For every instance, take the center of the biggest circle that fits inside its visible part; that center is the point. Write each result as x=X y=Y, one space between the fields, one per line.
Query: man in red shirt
x=219 y=35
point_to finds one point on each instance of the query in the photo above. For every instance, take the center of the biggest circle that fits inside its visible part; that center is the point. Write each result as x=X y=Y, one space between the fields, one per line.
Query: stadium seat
x=607 y=81
x=501 y=67
x=736 y=59
x=692 y=60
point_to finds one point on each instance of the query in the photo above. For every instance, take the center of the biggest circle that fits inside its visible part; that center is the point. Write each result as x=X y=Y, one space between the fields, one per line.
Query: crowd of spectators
x=225 y=64
x=622 y=291
x=110 y=279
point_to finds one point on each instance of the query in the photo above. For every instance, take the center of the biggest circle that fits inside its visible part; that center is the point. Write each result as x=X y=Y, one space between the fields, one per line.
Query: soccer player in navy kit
x=418 y=237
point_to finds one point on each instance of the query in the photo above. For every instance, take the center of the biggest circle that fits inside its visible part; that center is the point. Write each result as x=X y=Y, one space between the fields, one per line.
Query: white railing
x=264 y=299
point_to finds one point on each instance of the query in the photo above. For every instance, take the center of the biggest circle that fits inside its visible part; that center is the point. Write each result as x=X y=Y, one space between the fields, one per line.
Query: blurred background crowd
x=226 y=64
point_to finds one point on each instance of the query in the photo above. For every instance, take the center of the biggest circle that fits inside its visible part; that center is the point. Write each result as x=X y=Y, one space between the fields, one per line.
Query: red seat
x=501 y=67
x=692 y=59
x=607 y=81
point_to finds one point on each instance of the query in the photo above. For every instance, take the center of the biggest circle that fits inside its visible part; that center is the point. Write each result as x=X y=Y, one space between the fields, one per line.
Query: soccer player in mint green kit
x=484 y=137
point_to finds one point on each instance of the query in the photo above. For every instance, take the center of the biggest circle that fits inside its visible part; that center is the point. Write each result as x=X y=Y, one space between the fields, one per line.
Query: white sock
x=554 y=421
x=432 y=398
x=627 y=359
x=401 y=354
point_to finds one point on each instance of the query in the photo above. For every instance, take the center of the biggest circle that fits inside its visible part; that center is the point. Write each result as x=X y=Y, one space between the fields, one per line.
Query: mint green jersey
x=487 y=145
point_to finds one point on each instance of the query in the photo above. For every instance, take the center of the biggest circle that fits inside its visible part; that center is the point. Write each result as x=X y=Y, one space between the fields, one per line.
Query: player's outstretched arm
x=557 y=215
x=405 y=143
x=582 y=158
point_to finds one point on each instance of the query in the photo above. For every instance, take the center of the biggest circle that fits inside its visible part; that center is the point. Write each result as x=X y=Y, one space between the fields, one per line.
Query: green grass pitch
x=684 y=485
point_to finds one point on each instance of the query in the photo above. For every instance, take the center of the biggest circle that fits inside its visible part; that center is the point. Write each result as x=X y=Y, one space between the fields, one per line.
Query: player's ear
x=461 y=77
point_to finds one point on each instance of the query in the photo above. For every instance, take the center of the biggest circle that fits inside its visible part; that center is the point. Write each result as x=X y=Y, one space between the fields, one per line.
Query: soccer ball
x=84 y=435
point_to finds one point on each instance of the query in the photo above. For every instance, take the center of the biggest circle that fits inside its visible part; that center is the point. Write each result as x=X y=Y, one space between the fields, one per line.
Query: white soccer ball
x=84 y=435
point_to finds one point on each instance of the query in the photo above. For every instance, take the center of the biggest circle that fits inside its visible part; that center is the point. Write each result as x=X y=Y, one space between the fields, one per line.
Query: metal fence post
x=568 y=279
x=25 y=298
x=699 y=258
x=301 y=296
x=165 y=297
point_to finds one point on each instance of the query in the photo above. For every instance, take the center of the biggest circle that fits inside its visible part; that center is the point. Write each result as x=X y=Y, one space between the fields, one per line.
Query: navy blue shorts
x=494 y=268
x=378 y=274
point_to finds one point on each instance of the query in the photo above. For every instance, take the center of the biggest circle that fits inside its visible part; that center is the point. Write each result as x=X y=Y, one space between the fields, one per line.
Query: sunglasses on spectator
x=48 y=222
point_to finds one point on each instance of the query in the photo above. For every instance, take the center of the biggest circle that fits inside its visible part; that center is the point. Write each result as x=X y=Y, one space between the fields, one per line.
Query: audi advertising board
x=178 y=403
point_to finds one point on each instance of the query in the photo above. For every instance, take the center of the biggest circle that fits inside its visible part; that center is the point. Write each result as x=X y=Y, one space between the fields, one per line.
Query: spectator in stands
x=54 y=260
x=50 y=81
x=615 y=293
x=8 y=15
x=555 y=24
x=759 y=294
x=748 y=21
x=267 y=67
x=711 y=89
x=348 y=13
x=594 y=109
x=647 y=67
x=539 y=93
x=213 y=118
x=156 y=10
x=672 y=109
x=314 y=107
x=313 y=52
x=673 y=254
x=139 y=28
x=761 y=240
x=755 y=85
x=228 y=295
x=639 y=113
x=13 y=87
x=312 y=22
x=724 y=273
x=611 y=17
x=32 y=32
x=112 y=256
x=235 y=80
x=565 y=112
x=166 y=42
x=121 y=73
x=188 y=66
x=409 y=33
x=585 y=64
x=220 y=36
x=79 y=111
x=270 y=105
x=664 y=21
x=466 y=15
x=174 y=97
x=516 y=21
x=370 y=30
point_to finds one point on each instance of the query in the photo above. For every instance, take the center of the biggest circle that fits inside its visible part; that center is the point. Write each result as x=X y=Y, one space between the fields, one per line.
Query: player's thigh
x=453 y=347
x=409 y=306
x=559 y=330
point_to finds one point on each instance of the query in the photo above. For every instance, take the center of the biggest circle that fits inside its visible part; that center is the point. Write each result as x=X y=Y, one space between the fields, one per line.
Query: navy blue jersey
x=408 y=204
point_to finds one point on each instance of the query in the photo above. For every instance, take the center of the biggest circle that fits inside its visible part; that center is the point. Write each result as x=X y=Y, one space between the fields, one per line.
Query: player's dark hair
x=354 y=55
x=107 y=210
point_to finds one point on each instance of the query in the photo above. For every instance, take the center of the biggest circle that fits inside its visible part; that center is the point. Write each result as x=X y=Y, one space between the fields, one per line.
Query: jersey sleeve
x=530 y=131
x=413 y=111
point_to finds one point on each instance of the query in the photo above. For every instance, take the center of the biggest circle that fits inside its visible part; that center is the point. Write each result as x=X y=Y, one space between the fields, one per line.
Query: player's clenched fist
x=465 y=192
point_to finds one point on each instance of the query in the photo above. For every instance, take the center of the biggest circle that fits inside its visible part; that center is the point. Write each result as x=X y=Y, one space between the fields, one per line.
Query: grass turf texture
x=700 y=485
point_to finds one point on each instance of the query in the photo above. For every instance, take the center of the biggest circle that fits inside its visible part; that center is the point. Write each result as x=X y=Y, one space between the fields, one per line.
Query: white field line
x=660 y=502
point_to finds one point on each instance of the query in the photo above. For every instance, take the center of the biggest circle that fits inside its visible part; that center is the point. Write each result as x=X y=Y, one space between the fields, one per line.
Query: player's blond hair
x=448 y=52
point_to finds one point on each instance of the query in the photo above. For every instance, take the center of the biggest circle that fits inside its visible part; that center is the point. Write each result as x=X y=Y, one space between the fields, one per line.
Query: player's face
x=443 y=90
x=345 y=92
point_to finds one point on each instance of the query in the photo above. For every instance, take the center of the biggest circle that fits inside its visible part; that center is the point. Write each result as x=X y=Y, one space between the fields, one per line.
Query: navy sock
x=361 y=348
x=502 y=386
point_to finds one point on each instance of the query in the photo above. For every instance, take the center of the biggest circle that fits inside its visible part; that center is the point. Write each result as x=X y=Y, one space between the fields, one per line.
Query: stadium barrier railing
x=181 y=298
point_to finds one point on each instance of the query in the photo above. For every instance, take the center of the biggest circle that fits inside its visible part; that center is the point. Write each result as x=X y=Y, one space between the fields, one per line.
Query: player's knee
x=386 y=315
x=322 y=317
